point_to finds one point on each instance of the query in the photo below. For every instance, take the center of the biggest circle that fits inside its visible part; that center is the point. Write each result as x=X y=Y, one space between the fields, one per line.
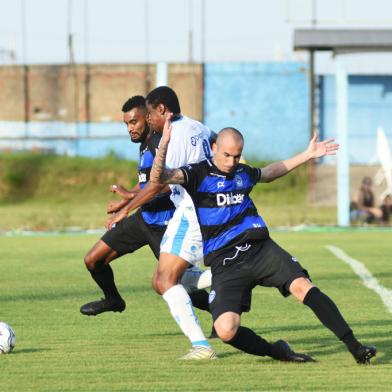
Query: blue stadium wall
x=109 y=138
x=370 y=106
x=267 y=102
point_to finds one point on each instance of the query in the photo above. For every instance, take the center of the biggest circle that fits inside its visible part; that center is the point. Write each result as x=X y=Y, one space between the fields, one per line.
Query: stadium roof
x=343 y=40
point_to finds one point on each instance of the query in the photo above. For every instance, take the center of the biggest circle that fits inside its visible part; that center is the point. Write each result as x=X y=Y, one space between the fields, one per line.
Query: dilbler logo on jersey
x=229 y=199
x=142 y=177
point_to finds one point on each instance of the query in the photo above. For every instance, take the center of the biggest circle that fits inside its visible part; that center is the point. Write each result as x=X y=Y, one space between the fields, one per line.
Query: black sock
x=351 y=342
x=246 y=340
x=199 y=299
x=103 y=276
x=328 y=313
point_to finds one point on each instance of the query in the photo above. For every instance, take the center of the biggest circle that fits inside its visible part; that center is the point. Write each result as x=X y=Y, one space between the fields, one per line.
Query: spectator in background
x=363 y=209
x=386 y=209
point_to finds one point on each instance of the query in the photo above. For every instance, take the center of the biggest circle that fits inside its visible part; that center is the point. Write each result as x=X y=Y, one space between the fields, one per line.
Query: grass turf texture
x=43 y=283
x=44 y=192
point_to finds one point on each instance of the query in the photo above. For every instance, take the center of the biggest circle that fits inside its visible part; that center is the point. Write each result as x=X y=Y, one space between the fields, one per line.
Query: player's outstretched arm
x=315 y=150
x=159 y=174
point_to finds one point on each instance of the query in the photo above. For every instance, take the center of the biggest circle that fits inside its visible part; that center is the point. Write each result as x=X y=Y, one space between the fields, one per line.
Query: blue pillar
x=343 y=164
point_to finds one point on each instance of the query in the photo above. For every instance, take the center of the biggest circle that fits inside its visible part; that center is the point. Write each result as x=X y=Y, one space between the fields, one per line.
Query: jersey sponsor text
x=229 y=199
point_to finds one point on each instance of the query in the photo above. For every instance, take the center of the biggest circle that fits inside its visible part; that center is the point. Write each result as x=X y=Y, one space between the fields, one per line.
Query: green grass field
x=43 y=282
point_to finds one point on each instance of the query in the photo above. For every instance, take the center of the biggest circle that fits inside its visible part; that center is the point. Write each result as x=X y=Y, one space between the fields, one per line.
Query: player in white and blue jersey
x=239 y=249
x=182 y=243
x=145 y=227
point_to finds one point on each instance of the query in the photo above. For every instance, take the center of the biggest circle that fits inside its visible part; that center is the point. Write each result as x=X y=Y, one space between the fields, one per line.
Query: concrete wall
x=83 y=105
x=96 y=93
x=267 y=102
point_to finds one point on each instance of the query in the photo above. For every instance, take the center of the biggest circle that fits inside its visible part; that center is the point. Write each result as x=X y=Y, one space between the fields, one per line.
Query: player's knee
x=93 y=263
x=225 y=330
x=90 y=261
x=162 y=285
x=155 y=285
x=164 y=281
x=300 y=287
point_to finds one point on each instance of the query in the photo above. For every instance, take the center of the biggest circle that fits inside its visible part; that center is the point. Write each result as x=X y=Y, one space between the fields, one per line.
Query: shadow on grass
x=230 y=354
x=307 y=327
x=163 y=334
x=54 y=294
x=29 y=350
x=326 y=345
x=335 y=277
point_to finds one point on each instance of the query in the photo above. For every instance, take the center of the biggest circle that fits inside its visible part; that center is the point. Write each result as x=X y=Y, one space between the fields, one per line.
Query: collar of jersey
x=177 y=117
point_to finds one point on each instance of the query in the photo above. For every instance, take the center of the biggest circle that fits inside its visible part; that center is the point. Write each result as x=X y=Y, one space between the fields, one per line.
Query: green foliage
x=15 y=179
x=44 y=282
x=28 y=176
x=290 y=189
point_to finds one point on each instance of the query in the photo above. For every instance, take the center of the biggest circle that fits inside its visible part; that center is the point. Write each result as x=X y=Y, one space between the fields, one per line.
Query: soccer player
x=145 y=227
x=237 y=244
x=182 y=244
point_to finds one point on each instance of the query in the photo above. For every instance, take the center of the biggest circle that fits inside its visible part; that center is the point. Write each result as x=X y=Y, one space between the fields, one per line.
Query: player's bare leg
x=97 y=262
x=169 y=272
x=329 y=315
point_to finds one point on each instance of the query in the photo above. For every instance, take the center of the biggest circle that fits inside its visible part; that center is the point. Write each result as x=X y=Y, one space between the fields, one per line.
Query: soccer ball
x=7 y=338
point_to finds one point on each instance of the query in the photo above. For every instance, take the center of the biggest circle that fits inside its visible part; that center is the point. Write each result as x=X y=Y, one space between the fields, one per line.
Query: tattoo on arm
x=173 y=176
x=158 y=172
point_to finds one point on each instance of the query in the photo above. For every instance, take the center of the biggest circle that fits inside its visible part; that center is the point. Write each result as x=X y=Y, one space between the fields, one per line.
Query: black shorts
x=236 y=272
x=132 y=233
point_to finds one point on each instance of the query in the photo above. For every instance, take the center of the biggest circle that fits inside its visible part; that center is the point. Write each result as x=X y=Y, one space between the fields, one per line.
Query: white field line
x=367 y=278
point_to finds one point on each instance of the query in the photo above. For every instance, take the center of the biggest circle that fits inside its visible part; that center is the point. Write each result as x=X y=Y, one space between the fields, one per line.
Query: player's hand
x=117 y=217
x=167 y=128
x=318 y=149
x=113 y=206
x=120 y=190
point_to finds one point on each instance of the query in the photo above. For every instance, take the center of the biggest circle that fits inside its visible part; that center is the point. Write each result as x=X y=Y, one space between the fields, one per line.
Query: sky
x=136 y=31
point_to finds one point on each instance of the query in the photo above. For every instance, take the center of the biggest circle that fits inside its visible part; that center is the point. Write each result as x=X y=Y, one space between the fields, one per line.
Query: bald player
x=237 y=245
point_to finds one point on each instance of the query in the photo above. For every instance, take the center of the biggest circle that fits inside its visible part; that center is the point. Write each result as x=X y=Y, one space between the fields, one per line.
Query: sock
x=351 y=343
x=181 y=309
x=328 y=313
x=103 y=276
x=246 y=340
x=204 y=279
x=195 y=279
x=199 y=299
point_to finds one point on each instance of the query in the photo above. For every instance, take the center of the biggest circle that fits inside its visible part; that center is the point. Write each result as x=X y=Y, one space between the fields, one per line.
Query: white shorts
x=183 y=238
